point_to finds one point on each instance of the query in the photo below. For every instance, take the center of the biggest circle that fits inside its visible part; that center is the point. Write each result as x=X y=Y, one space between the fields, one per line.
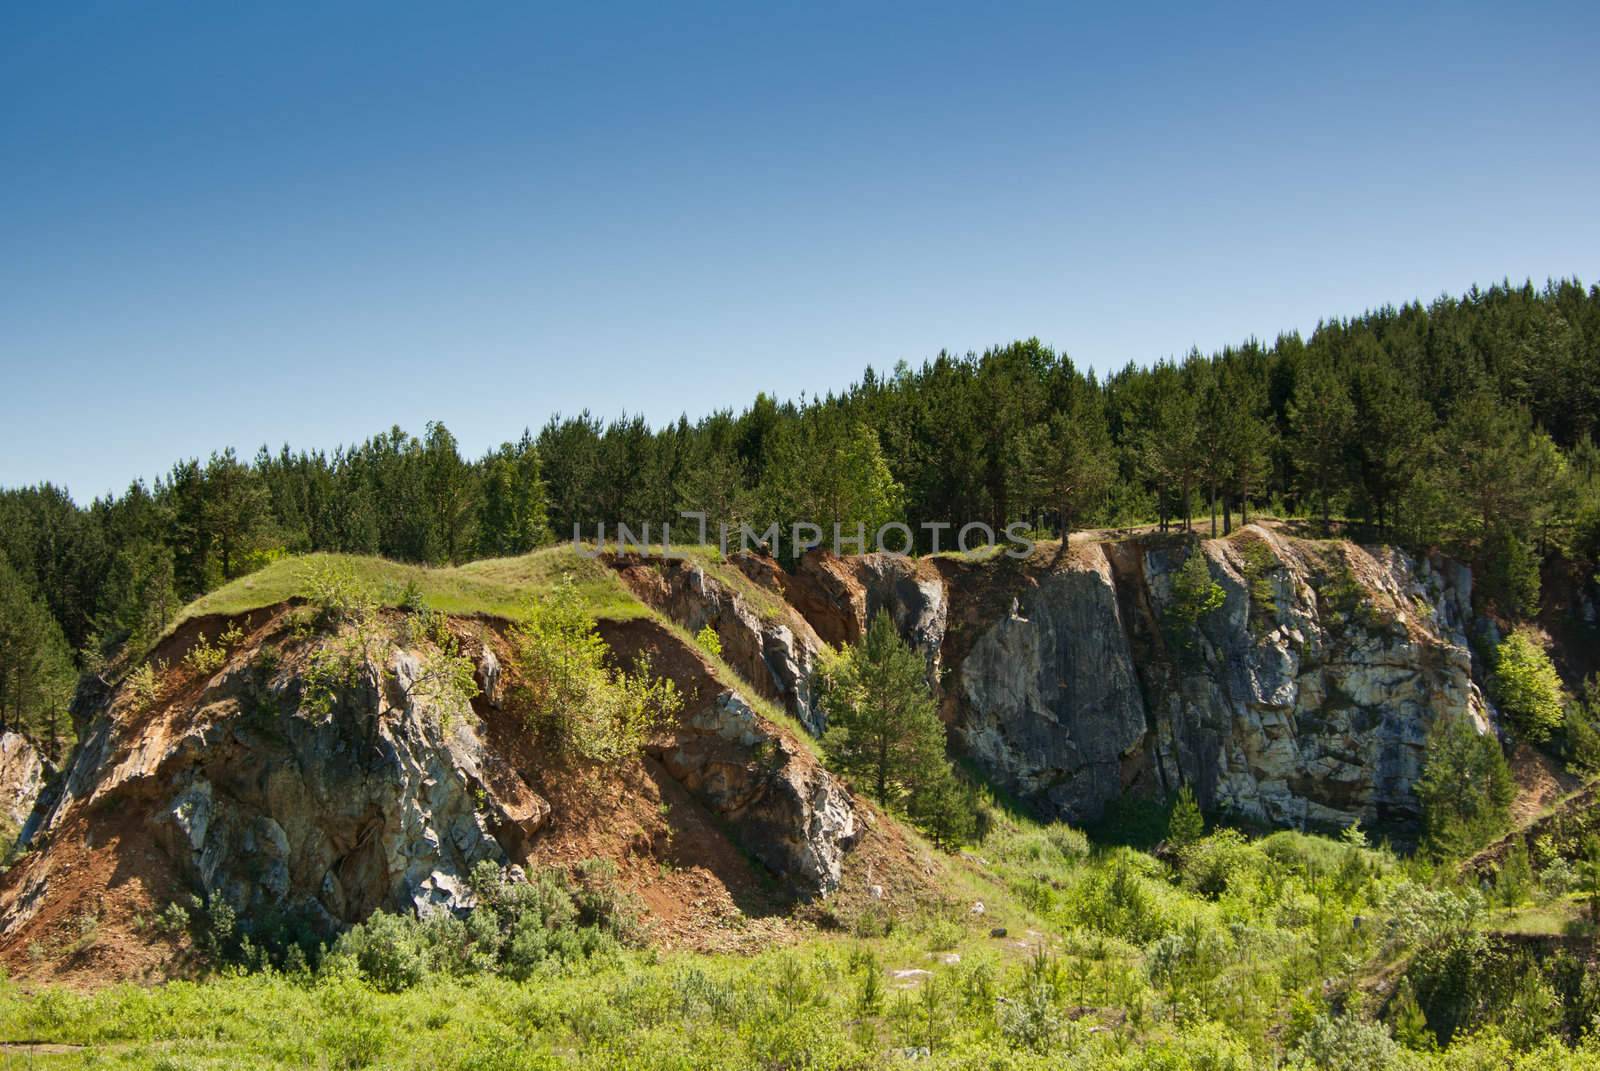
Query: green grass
x=494 y=587
x=1556 y=918
x=730 y=677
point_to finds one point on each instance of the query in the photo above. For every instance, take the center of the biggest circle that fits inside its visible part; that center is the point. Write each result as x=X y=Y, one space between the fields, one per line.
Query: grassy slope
x=494 y=587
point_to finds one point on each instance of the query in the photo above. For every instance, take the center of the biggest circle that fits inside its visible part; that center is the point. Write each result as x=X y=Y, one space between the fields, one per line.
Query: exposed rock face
x=1050 y=704
x=21 y=780
x=789 y=813
x=386 y=802
x=775 y=652
x=386 y=791
x=1304 y=699
x=840 y=596
x=1330 y=689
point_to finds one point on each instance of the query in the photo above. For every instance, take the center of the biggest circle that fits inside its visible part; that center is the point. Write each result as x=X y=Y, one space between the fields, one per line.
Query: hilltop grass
x=493 y=587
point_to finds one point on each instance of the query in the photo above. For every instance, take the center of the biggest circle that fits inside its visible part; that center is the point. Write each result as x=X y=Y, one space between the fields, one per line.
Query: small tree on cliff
x=1194 y=595
x=884 y=730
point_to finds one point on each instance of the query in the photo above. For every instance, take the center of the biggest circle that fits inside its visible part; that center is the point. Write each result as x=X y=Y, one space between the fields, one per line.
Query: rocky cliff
x=1304 y=699
x=1300 y=695
x=311 y=778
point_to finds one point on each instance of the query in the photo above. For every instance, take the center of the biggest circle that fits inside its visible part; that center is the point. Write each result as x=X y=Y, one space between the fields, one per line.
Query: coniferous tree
x=235 y=506
x=36 y=672
x=1321 y=416
x=512 y=513
x=882 y=724
x=1069 y=461
x=1465 y=789
x=1186 y=824
x=825 y=469
x=450 y=494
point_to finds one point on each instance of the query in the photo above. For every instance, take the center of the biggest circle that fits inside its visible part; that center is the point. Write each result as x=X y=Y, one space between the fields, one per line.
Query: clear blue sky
x=234 y=224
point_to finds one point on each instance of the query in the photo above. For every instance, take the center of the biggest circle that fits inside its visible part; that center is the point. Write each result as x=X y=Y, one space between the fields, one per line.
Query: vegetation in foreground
x=1225 y=953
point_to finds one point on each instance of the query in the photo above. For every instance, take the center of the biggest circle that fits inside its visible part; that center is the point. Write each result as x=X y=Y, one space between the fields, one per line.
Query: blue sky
x=235 y=224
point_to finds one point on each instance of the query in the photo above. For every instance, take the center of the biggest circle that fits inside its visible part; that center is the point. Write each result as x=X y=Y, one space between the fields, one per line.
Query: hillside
x=233 y=796
x=1053 y=674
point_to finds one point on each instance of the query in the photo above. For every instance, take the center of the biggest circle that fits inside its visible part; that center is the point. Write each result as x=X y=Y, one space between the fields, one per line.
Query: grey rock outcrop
x=773 y=649
x=385 y=801
x=786 y=809
x=1304 y=699
x=21 y=779
x=1049 y=700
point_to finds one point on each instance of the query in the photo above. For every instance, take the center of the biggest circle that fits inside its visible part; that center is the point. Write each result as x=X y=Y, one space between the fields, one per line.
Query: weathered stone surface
x=21 y=779
x=387 y=802
x=785 y=809
x=1050 y=705
x=1305 y=699
x=777 y=653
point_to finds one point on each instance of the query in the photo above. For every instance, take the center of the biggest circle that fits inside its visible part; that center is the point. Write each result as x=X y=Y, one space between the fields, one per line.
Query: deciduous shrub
x=1526 y=687
x=568 y=690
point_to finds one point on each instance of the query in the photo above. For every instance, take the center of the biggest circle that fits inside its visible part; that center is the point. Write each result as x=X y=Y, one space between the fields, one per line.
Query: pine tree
x=1408 y=1021
x=1068 y=462
x=946 y=807
x=882 y=724
x=1321 y=417
x=512 y=511
x=1465 y=789
x=236 y=510
x=36 y=673
x=1186 y=824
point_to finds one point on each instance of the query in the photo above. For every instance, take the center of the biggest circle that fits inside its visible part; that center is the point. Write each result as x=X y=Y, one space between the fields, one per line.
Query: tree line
x=1467 y=422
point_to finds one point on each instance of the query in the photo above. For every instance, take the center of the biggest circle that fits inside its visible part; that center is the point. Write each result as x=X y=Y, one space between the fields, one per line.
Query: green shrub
x=515 y=928
x=1186 y=824
x=335 y=593
x=1346 y=1044
x=1465 y=789
x=204 y=658
x=145 y=684
x=1219 y=862
x=1526 y=687
x=708 y=641
x=388 y=950
x=1259 y=562
x=568 y=690
x=1194 y=595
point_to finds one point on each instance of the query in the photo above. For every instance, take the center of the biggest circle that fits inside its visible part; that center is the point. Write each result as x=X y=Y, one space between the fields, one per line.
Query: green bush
x=1346 y=1044
x=515 y=928
x=1219 y=862
x=1465 y=789
x=1186 y=824
x=1526 y=687
x=1194 y=595
x=568 y=690
x=708 y=641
